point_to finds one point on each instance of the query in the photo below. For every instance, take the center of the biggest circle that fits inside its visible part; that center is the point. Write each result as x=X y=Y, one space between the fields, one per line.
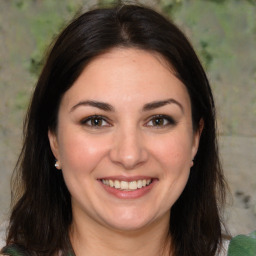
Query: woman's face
x=124 y=140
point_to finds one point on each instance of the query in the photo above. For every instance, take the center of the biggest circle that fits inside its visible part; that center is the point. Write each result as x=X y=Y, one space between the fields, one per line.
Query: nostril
x=128 y=148
x=128 y=159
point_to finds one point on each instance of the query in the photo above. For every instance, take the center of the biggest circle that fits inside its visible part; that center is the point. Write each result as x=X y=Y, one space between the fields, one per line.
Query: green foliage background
x=222 y=31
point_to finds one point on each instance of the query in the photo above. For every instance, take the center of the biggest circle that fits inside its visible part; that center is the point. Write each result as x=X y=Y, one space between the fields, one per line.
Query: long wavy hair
x=41 y=214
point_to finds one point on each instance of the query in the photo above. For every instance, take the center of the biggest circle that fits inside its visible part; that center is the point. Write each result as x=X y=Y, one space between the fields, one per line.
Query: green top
x=240 y=245
x=15 y=250
x=243 y=245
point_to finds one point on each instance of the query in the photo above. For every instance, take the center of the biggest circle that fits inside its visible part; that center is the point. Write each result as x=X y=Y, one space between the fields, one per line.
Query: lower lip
x=133 y=194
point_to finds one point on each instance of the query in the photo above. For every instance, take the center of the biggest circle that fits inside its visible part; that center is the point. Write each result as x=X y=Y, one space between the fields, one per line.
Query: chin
x=128 y=226
x=130 y=223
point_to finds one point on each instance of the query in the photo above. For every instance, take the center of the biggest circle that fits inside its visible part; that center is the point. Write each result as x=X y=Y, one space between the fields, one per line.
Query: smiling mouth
x=127 y=185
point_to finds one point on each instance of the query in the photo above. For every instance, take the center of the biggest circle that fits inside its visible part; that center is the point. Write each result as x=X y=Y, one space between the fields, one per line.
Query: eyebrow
x=97 y=104
x=107 y=107
x=161 y=103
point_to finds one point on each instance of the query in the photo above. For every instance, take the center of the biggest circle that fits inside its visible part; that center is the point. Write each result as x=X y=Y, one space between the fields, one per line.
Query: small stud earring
x=57 y=164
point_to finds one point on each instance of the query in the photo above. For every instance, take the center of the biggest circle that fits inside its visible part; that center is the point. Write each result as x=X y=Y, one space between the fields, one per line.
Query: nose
x=128 y=149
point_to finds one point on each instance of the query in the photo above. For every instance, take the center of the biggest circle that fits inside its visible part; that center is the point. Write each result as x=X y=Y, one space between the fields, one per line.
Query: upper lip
x=125 y=178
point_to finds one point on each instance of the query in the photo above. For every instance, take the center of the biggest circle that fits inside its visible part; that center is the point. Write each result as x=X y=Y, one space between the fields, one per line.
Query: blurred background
x=223 y=32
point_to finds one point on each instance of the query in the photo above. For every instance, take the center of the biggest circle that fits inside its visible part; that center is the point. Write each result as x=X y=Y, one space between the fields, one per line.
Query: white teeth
x=111 y=183
x=139 y=183
x=133 y=185
x=117 y=184
x=125 y=185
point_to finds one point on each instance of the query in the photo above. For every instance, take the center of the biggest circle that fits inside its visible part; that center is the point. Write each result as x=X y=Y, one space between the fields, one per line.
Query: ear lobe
x=53 y=143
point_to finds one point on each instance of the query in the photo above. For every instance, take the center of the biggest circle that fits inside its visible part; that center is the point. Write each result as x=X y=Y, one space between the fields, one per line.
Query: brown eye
x=95 y=121
x=160 y=121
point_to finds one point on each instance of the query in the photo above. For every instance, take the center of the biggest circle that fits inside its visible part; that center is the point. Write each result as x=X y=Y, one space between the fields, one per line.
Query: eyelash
x=95 y=117
x=165 y=120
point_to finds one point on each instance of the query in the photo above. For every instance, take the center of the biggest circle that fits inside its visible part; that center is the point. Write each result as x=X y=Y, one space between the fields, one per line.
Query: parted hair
x=41 y=214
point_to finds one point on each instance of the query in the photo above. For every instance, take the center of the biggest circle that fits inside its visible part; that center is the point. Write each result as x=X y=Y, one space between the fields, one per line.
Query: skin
x=127 y=140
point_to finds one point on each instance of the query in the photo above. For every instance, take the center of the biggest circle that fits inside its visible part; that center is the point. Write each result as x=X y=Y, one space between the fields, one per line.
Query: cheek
x=80 y=153
x=173 y=151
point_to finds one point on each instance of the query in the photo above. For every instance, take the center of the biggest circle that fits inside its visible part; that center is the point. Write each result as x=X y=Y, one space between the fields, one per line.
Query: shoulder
x=243 y=245
x=13 y=250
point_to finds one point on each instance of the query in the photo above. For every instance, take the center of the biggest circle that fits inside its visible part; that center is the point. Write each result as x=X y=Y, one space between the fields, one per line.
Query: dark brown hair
x=42 y=215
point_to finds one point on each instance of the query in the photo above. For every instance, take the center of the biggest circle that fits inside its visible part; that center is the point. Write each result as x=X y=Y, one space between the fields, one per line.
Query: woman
x=120 y=154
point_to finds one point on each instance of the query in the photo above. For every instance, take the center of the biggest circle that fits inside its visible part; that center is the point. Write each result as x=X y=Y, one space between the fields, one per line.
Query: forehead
x=129 y=75
x=134 y=56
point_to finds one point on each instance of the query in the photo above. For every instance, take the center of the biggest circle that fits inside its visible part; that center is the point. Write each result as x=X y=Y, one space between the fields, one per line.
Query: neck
x=90 y=239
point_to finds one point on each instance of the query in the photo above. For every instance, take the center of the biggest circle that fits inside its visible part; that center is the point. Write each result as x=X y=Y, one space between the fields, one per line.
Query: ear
x=196 y=139
x=53 y=143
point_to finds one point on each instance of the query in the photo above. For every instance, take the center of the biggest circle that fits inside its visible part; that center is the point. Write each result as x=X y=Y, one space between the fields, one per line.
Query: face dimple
x=127 y=118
